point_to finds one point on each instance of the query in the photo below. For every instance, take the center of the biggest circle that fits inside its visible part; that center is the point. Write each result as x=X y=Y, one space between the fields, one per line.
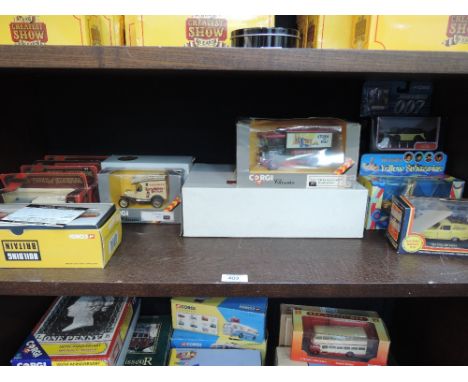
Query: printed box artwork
x=51 y=187
x=404 y=133
x=144 y=195
x=339 y=337
x=186 y=339
x=325 y=32
x=88 y=241
x=214 y=357
x=297 y=153
x=443 y=33
x=192 y=31
x=61 y=30
x=396 y=98
x=149 y=345
x=429 y=226
x=80 y=331
x=237 y=317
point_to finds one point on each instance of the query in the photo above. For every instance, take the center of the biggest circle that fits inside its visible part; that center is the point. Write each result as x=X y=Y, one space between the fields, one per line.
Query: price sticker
x=227 y=278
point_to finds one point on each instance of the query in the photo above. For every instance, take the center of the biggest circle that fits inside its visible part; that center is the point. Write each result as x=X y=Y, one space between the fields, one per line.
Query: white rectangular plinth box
x=214 y=207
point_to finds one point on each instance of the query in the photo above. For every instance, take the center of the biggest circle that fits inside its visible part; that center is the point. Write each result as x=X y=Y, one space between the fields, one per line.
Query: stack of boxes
x=212 y=331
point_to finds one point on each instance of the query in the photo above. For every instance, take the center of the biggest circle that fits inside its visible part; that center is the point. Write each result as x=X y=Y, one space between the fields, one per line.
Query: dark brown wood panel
x=290 y=60
x=155 y=261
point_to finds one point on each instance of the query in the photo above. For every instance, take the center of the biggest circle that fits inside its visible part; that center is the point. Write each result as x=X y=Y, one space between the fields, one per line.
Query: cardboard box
x=383 y=188
x=61 y=30
x=325 y=32
x=215 y=207
x=237 y=317
x=339 y=337
x=192 y=31
x=88 y=241
x=286 y=323
x=214 y=357
x=404 y=134
x=443 y=33
x=148 y=162
x=283 y=358
x=143 y=196
x=297 y=153
x=149 y=344
x=86 y=340
x=429 y=226
x=186 y=339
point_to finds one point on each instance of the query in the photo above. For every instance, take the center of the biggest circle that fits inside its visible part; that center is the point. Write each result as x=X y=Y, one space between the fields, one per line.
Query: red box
x=339 y=337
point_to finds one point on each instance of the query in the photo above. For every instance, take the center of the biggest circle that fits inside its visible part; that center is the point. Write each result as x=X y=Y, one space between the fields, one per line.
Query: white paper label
x=314 y=181
x=45 y=214
x=156 y=216
x=228 y=278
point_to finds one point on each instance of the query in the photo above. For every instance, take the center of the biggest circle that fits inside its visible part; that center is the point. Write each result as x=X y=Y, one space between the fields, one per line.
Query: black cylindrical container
x=265 y=38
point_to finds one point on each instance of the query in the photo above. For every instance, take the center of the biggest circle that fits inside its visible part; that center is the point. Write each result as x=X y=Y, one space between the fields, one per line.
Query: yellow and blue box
x=185 y=339
x=236 y=317
x=89 y=241
x=325 y=31
x=429 y=226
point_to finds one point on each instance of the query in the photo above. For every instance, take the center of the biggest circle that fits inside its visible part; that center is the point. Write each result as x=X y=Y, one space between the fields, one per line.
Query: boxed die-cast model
x=237 y=317
x=297 y=153
x=143 y=195
x=404 y=133
x=339 y=337
x=28 y=239
x=214 y=357
x=188 y=339
x=429 y=226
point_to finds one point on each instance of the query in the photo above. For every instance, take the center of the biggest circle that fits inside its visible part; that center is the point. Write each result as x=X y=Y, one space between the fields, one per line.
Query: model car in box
x=143 y=195
x=237 y=317
x=429 y=226
x=339 y=337
x=405 y=133
x=296 y=153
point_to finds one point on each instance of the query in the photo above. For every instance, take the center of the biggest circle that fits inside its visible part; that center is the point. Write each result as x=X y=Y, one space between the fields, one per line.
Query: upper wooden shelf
x=233 y=59
x=155 y=261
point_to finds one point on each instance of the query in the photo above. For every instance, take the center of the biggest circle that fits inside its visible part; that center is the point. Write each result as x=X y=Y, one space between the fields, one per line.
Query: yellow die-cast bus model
x=447 y=230
x=342 y=340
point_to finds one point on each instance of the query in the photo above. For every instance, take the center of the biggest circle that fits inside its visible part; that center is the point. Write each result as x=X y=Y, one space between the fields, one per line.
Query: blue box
x=237 y=317
x=214 y=357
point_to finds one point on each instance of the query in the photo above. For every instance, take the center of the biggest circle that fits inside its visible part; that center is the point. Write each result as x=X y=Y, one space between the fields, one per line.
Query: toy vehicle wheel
x=123 y=202
x=350 y=354
x=157 y=201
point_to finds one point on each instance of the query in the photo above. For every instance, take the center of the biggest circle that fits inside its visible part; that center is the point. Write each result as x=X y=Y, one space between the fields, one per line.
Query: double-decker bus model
x=350 y=341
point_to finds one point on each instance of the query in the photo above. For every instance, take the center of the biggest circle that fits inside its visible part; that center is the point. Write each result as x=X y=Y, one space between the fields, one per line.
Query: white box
x=148 y=162
x=215 y=207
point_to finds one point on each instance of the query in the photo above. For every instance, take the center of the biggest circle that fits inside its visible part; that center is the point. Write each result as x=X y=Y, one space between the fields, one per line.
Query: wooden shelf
x=233 y=59
x=155 y=261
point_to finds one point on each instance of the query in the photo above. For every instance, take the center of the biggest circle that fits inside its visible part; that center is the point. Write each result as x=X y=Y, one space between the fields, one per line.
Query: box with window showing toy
x=58 y=236
x=339 y=337
x=429 y=226
x=404 y=133
x=297 y=153
x=236 y=317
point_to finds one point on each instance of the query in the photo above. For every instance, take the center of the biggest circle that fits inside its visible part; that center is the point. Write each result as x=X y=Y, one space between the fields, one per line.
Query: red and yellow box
x=441 y=33
x=61 y=30
x=325 y=32
x=192 y=31
x=339 y=337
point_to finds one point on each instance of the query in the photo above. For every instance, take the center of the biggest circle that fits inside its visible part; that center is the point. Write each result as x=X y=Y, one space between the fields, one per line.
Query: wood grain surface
x=155 y=261
x=233 y=59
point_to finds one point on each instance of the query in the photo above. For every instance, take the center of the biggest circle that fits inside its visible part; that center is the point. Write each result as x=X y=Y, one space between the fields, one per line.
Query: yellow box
x=193 y=31
x=87 y=242
x=61 y=30
x=325 y=32
x=441 y=33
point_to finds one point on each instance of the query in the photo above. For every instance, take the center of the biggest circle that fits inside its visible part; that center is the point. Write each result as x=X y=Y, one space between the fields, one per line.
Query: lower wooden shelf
x=154 y=260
